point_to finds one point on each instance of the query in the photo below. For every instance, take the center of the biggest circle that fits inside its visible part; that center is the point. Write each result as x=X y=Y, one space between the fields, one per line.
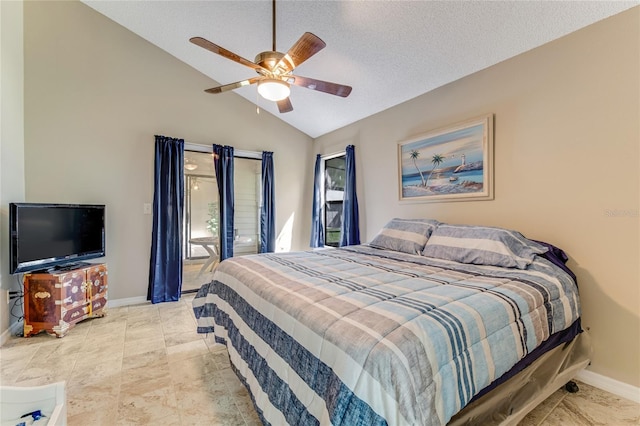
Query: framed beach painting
x=454 y=163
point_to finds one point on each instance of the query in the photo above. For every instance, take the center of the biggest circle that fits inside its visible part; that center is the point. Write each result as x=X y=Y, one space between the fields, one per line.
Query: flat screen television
x=45 y=236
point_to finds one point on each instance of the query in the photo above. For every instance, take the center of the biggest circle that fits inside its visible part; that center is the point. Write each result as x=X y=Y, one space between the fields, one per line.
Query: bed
x=428 y=324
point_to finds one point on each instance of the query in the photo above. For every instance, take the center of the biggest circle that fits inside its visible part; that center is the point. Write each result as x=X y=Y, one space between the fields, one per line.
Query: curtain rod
x=190 y=146
x=333 y=155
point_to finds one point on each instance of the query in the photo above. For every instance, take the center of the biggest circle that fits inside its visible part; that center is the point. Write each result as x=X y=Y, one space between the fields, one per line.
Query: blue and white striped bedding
x=363 y=336
x=405 y=235
x=482 y=245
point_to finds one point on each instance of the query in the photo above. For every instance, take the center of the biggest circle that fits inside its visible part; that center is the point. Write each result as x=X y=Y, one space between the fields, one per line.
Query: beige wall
x=11 y=139
x=566 y=167
x=95 y=95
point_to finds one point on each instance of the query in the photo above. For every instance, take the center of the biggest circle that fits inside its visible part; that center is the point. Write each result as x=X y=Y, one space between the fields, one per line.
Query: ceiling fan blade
x=285 y=105
x=306 y=46
x=319 y=85
x=231 y=86
x=212 y=47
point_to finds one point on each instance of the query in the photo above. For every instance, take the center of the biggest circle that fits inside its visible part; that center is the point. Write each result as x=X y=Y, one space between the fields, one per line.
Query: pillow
x=404 y=235
x=558 y=257
x=482 y=246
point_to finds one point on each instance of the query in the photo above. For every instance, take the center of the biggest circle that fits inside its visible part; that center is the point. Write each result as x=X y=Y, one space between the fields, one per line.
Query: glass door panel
x=202 y=213
x=246 y=219
x=201 y=219
x=334 y=179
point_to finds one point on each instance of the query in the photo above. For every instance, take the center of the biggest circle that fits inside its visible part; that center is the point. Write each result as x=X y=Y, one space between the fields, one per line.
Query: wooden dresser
x=55 y=301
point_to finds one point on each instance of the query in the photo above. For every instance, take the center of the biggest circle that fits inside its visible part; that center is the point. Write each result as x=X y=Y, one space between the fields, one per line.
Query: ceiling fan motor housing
x=269 y=60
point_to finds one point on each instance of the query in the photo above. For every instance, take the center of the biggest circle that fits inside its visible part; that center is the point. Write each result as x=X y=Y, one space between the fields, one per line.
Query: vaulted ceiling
x=388 y=51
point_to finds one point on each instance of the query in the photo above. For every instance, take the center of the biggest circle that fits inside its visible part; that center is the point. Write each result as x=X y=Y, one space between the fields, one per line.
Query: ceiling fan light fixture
x=189 y=165
x=273 y=89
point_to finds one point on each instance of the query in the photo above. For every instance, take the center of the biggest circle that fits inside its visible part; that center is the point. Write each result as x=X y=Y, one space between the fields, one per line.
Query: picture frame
x=453 y=163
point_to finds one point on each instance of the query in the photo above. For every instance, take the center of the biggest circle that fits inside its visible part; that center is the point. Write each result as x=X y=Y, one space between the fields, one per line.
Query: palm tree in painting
x=436 y=160
x=414 y=156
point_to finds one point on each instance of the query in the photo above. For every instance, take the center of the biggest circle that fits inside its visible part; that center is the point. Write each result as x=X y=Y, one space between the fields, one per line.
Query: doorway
x=201 y=218
x=201 y=233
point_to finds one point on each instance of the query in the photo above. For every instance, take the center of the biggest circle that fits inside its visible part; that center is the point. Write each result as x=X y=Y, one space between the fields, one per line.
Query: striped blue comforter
x=363 y=336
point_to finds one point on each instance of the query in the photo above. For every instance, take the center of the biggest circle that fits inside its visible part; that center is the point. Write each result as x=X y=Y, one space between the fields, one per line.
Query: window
x=334 y=180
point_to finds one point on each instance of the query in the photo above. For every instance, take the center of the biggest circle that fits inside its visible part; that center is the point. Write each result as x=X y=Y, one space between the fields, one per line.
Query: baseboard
x=13 y=329
x=115 y=303
x=613 y=386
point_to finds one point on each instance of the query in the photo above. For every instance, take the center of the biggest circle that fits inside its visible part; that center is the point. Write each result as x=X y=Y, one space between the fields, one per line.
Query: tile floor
x=192 y=275
x=145 y=364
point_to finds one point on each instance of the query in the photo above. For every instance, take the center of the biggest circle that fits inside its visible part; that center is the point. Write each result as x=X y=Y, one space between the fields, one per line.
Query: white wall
x=11 y=140
x=95 y=95
x=567 y=169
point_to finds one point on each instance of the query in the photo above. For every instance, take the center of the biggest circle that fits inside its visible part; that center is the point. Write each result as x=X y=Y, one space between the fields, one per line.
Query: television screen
x=47 y=235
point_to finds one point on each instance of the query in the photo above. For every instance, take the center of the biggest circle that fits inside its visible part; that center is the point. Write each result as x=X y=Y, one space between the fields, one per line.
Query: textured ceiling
x=388 y=51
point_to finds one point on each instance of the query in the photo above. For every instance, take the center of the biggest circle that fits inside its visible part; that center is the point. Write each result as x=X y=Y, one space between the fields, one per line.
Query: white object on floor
x=16 y=401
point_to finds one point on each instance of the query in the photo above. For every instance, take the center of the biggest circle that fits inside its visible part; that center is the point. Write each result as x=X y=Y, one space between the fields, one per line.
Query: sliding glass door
x=247 y=206
x=201 y=213
x=201 y=217
x=202 y=209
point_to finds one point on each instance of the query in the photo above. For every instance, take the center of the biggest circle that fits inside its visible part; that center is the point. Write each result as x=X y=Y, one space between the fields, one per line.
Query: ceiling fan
x=275 y=69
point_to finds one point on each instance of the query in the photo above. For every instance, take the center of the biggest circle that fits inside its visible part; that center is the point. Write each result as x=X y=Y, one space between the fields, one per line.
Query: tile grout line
x=551 y=410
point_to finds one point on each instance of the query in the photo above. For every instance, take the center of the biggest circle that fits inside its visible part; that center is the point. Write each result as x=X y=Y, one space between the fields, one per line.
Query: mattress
x=364 y=336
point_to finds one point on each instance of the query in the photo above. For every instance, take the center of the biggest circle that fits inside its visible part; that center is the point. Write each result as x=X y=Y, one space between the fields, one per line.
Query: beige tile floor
x=145 y=364
x=193 y=277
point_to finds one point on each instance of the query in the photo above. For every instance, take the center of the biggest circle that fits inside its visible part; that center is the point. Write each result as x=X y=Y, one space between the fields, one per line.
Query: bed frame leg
x=571 y=387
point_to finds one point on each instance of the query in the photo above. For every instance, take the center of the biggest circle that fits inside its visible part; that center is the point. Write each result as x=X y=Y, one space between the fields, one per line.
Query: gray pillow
x=482 y=245
x=404 y=235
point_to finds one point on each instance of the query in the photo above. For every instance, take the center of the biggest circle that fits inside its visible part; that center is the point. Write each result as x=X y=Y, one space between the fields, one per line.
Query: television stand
x=54 y=301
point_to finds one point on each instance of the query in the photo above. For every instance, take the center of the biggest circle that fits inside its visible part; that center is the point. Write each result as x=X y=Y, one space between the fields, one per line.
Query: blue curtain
x=268 y=210
x=317 y=229
x=165 y=270
x=223 y=162
x=350 y=231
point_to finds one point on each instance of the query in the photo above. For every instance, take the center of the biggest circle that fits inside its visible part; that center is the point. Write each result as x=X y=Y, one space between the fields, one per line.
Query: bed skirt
x=510 y=402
